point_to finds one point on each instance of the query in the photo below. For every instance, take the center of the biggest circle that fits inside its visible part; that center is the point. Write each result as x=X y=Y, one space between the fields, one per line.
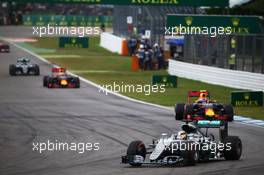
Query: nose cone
x=209 y=112
x=64 y=82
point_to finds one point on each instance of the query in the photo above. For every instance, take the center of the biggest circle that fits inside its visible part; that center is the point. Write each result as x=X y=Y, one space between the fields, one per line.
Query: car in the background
x=4 y=48
x=203 y=108
x=60 y=79
x=23 y=67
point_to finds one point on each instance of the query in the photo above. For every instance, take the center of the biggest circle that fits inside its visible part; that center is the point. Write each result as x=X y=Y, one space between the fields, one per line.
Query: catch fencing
x=205 y=50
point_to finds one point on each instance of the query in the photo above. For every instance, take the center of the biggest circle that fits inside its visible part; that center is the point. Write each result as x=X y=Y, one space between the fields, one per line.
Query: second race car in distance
x=203 y=108
x=4 y=48
x=60 y=79
x=23 y=67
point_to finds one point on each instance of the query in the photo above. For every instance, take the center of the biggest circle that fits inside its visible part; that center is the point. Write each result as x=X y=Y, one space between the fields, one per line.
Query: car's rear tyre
x=179 y=111
x=136 y=148
x=233 y=149
x=229 y=111
x=12 y=70
x=188 y=110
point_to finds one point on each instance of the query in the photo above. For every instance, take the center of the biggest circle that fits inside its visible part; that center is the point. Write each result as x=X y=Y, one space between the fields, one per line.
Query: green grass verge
x=103 y=67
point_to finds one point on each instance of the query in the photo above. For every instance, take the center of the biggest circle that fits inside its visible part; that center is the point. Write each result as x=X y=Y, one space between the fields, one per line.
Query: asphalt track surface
x=30 y=113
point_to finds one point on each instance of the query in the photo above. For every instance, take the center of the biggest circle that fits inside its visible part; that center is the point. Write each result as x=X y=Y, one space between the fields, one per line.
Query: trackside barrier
x=124 y=51
x=217 y=76
x=134 y=64
x=114 y=43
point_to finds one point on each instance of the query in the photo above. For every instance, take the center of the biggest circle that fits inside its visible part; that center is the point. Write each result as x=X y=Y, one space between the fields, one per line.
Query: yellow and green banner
x=238 y=24
x=166 y=80
x=247 y=98
x=73 y=42
x=193 y=3
x=67 y=20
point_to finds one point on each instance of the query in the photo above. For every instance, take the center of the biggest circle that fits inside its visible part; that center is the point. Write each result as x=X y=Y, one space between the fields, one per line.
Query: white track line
x=237 y=118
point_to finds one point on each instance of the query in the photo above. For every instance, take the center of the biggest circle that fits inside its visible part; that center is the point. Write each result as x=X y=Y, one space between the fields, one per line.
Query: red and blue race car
x=60 y=79
x=4 y=48
x=203 y=109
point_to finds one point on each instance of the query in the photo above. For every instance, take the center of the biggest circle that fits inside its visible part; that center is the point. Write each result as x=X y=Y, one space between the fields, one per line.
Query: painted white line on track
x=237 y=119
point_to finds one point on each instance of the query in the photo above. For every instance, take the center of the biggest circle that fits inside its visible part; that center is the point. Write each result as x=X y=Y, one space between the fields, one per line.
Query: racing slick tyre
x=136 y=148
x=190 y=157
x=77 y=81
x=179 y=111
x=36 y=70
x=236 y=148
x=12 y=70
x=204 y=156
x=188 y=110
x=45 y=81
x=50 y=83
x=229 y=111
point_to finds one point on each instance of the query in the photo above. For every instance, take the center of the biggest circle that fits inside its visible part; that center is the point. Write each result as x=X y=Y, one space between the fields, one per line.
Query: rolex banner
x=67 y=20
x=236 y=24
x=166 y=80
x=73 y=42
x=247 y=98
x=193 y=3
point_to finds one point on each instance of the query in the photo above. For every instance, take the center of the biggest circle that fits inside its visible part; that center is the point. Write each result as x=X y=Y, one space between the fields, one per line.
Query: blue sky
x=235 y=2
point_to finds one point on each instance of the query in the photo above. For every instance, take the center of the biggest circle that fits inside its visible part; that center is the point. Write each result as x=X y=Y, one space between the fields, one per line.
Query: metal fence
x=205 y=50
x=151 y=18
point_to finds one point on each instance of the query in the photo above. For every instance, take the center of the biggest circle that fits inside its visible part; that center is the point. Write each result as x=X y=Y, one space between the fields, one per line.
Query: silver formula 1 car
x=23 y=67
x=187 y=147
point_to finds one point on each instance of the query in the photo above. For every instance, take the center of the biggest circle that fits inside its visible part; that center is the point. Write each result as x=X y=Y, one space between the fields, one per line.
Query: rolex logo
x=73 y=40
x=164 y=79
x=247 y=97
x=189 y=20
x=235 y=21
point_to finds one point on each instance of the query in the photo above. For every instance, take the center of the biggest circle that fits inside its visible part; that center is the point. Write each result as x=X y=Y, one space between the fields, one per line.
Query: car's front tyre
x=136 y=148
x=37 y=72
x=12 y=70
x=45 y=81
